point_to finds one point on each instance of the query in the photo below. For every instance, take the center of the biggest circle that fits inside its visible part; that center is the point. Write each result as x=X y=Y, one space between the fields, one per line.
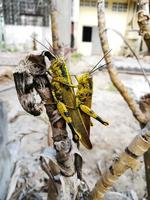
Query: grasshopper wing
x=88 y=103
x=84 y=96
x=69 y=99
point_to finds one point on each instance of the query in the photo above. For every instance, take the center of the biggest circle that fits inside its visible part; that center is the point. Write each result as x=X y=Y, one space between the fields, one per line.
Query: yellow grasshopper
x=74 y=108
x=84 y=95
x=84 y=100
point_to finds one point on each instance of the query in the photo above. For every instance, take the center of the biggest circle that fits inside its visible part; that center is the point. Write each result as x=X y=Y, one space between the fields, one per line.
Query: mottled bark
x=144 y=21
x=62 y=162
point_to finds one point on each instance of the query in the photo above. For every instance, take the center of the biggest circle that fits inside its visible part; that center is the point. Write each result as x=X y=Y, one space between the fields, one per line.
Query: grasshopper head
x=85 y=80
x=85 y=86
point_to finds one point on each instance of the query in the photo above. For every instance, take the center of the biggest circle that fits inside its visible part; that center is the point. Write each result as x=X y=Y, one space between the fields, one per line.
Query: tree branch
x=54 y=28
x=112 y=71
x=127 y=160
x=62 y=162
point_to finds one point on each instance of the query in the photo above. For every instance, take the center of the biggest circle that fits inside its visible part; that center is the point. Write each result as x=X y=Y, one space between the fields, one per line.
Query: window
x=120 y=7
x=87 y=34
x=91 y=3
x=31 y=20
x=88 y=3
x=26 y=12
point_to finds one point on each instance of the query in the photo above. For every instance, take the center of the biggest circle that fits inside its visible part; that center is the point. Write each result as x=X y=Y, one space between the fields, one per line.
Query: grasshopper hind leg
x=92 y=114
x=66 y=115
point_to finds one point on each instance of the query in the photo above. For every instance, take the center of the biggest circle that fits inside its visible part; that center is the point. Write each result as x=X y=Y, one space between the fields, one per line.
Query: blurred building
x=26 y=12
x=25 y=19
x=77 y=23
x=120 y=15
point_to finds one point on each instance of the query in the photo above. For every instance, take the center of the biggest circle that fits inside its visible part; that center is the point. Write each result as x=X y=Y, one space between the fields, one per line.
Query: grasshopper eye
x=49 y=55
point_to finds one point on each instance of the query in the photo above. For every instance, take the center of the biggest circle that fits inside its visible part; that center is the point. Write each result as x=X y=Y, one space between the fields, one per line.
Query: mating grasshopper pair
x=75 y=108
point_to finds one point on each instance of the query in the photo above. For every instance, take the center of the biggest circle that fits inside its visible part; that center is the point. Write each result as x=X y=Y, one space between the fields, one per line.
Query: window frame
x=119 y=7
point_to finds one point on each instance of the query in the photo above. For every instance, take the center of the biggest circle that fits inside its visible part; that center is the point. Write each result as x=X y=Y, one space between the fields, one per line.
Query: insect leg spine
x=91 y=113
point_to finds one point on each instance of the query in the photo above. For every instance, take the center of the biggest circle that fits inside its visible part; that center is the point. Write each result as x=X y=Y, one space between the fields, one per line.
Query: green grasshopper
x=84 y=99
x=74 y=108
x=84 y=95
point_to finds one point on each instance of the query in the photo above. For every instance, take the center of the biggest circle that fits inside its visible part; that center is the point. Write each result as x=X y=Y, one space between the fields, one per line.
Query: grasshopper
x=84 y=96
x=74 y=108
x=64 y=97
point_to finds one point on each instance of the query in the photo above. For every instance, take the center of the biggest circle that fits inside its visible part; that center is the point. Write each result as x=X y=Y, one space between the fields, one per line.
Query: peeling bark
x=62 y=162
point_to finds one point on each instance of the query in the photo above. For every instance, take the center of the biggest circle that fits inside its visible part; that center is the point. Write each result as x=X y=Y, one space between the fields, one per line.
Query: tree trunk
x=54 y=28
x=63 y=161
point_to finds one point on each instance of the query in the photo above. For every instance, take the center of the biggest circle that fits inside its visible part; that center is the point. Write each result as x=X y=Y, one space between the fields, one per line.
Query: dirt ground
x=27 y=135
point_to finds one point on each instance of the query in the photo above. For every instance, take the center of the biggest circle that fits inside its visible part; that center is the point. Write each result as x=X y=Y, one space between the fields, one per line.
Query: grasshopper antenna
x=50 y=46
x=100 y=61
x=100 y=67
x=40 y=43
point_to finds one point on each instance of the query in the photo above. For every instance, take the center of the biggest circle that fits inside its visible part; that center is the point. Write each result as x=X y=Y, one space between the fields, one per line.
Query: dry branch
x=142 y=114
x=112 y=71
x=62 y=162
x=145 y=108
x=127 y=160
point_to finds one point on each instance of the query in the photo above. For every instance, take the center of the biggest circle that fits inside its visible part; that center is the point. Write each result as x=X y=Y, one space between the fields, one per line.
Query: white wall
x=64 y=21
x=87 y=17
x=114 y=20
x=20 y=36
